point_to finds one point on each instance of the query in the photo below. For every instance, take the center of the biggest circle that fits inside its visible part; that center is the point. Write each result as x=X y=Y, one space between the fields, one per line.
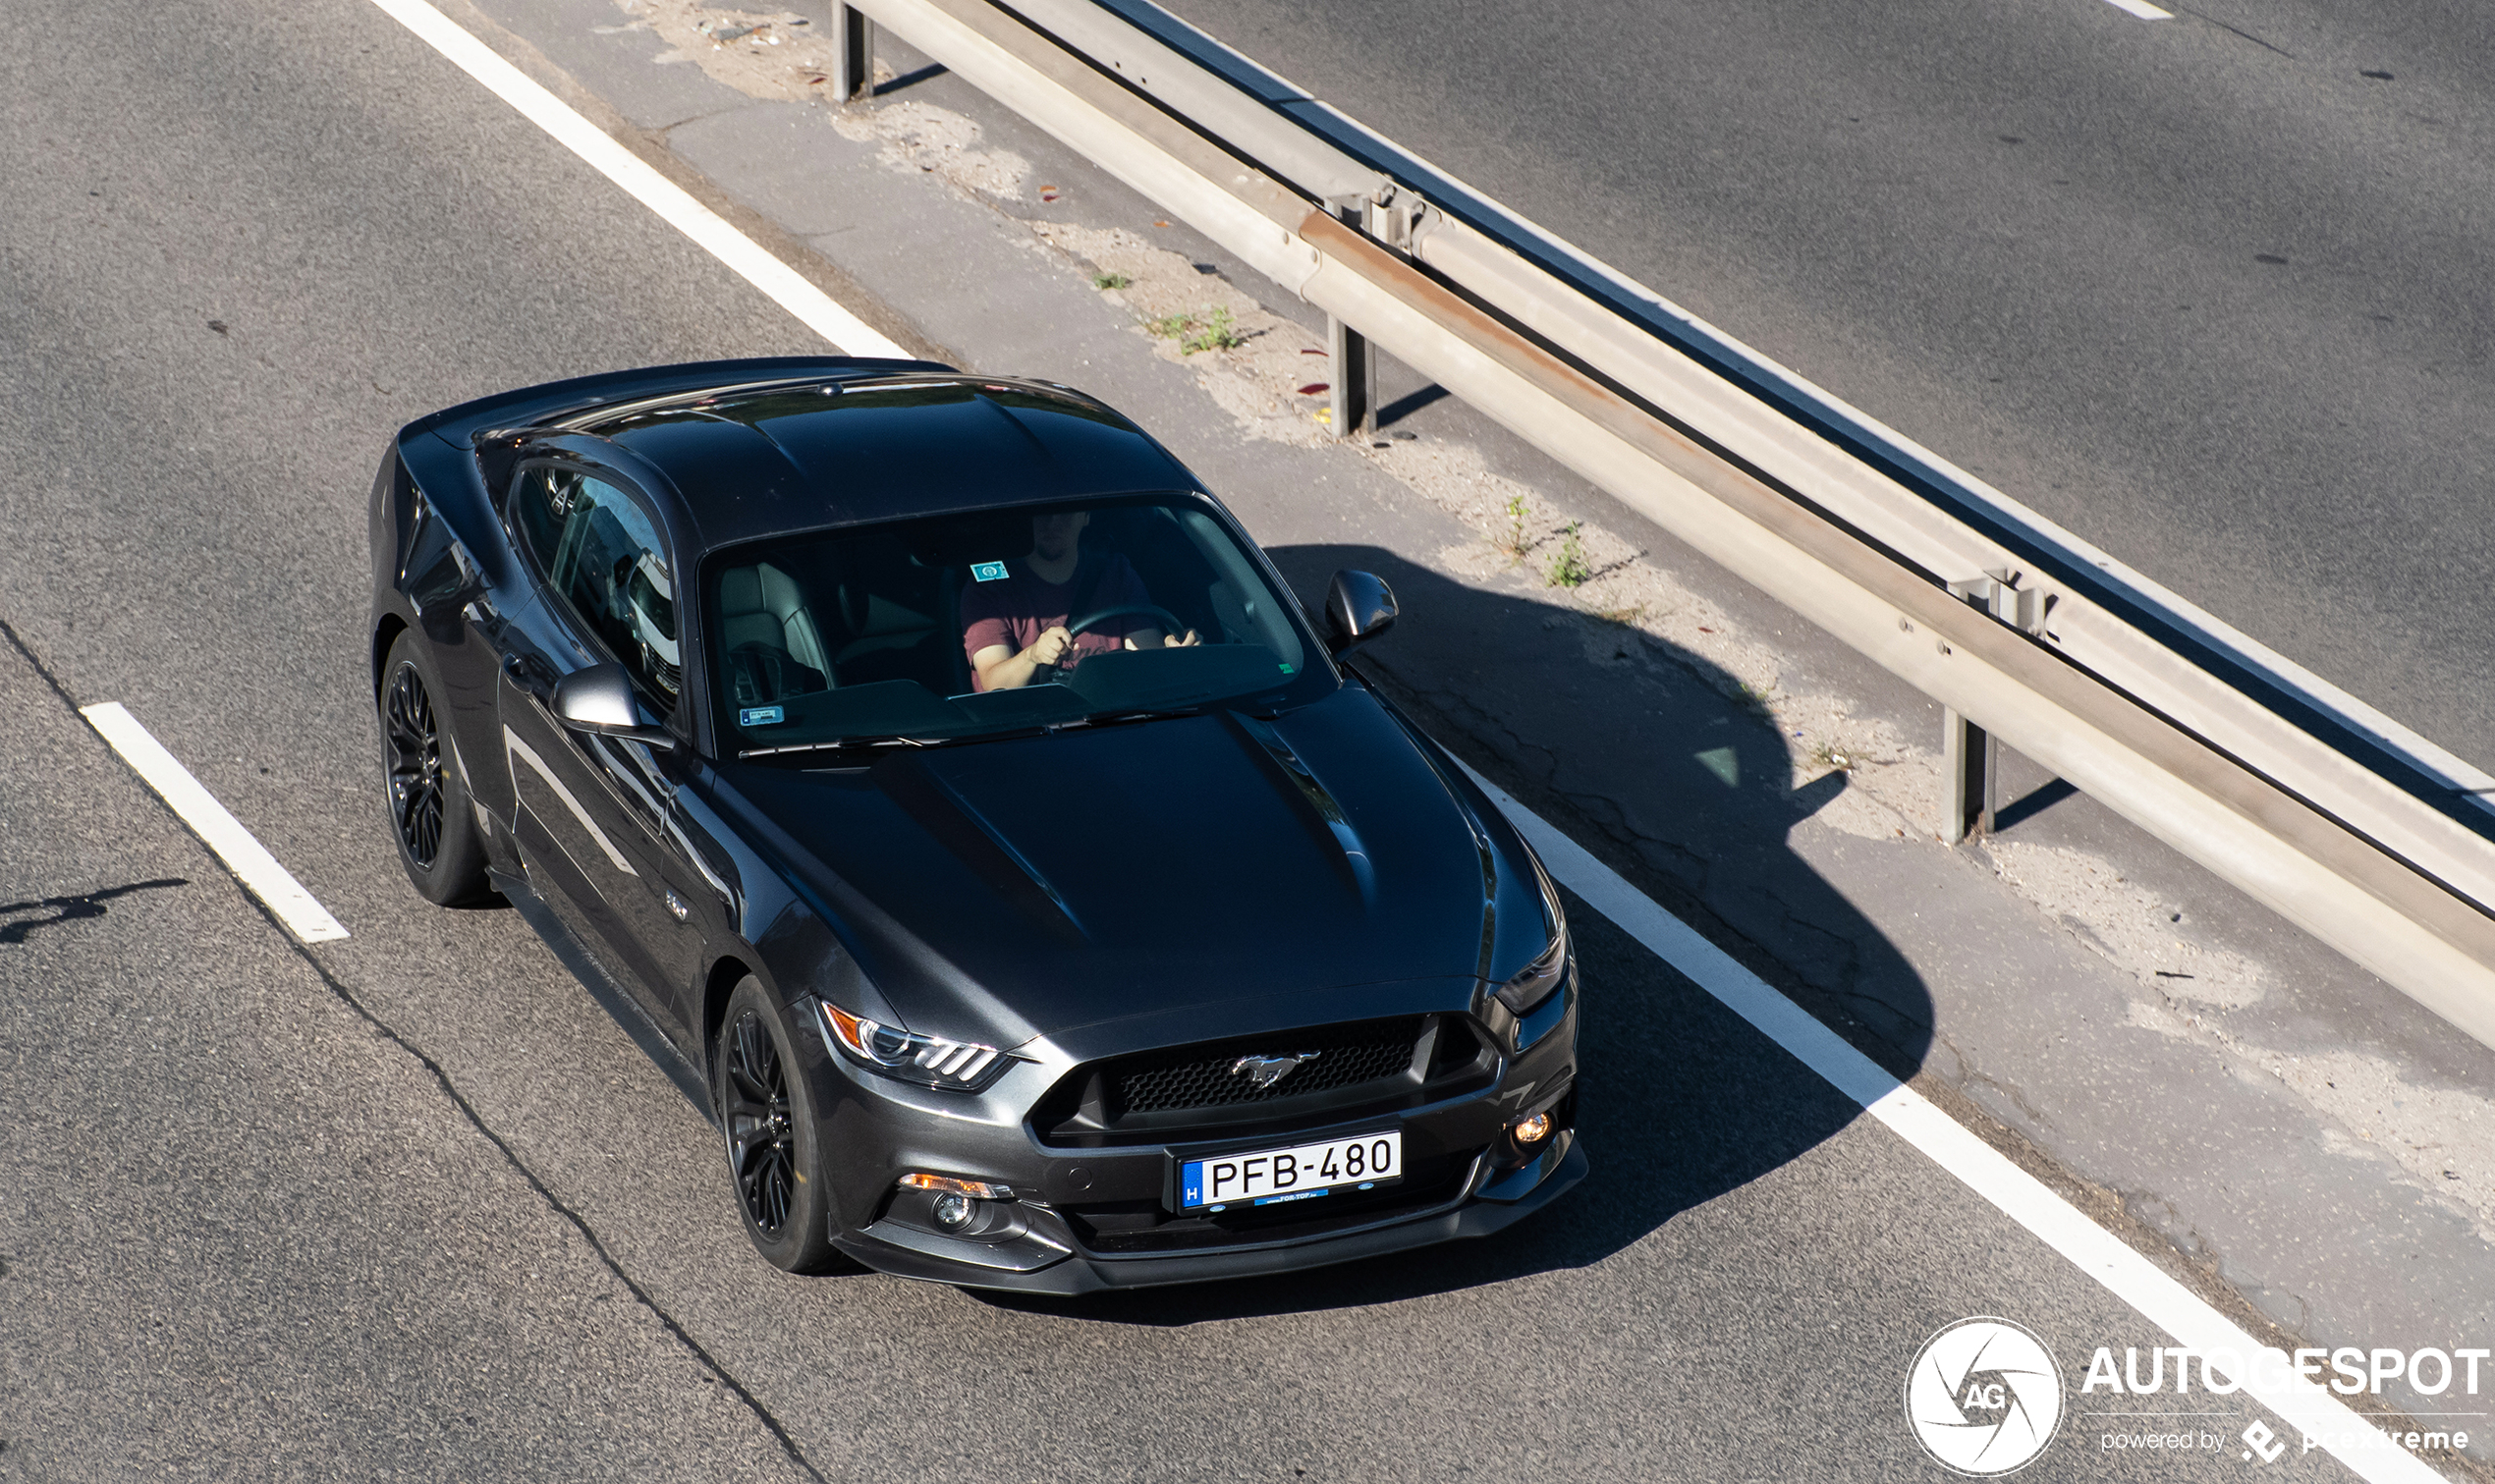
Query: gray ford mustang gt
x=938 y=768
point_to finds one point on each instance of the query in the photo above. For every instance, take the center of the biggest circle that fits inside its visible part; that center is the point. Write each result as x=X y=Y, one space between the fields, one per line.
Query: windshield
x=959 y=625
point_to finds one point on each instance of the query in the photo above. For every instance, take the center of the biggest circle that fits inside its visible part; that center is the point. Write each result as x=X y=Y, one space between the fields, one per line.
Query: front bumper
x=1061 y=1236
x=1065 y=1269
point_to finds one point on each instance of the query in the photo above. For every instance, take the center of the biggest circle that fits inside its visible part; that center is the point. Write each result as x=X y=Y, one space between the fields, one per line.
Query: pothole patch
x=778 y=55
x=931 y=141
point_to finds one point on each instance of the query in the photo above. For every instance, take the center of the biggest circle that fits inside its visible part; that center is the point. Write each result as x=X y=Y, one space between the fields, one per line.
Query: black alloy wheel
x=427 y=800
x=761 y=1141
x=416 y=767
x=767 y=1116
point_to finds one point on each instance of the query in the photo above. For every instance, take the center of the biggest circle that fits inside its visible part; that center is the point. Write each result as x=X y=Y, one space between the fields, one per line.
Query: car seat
x=769 y=635
x=888 y=610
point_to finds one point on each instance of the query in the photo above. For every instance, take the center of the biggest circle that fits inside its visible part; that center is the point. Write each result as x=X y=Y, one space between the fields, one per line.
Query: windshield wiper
x=1134 y=714
x=845 y=743
x=898 y=740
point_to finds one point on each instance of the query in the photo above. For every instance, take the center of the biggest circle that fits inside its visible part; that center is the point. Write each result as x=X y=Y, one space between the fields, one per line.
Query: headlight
x=1538 y=978
x=931 y=1060
x=1534 y=984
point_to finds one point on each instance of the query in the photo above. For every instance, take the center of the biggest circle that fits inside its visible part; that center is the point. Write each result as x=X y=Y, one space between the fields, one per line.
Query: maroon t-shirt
x=1016 y=609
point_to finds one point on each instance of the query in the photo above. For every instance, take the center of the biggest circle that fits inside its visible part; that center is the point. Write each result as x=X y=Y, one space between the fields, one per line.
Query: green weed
x=1569 y=569
x=1513 y=542
x=1217 y=331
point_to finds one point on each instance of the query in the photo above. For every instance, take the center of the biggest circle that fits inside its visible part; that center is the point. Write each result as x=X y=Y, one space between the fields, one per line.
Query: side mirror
x=600 y=699
x=1357 y=608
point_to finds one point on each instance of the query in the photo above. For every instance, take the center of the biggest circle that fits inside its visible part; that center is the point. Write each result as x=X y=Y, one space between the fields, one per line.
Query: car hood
x=1030 y=885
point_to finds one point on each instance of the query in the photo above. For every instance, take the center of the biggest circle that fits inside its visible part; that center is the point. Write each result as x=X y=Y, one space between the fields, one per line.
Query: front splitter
x=1080 y=1272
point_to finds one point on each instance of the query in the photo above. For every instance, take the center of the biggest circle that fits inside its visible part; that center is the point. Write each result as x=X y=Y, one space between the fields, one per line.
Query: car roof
x=753 y=460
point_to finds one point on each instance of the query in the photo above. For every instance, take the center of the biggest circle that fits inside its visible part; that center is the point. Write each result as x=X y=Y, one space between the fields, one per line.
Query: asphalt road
x=409 y=1205
x=2211 y=292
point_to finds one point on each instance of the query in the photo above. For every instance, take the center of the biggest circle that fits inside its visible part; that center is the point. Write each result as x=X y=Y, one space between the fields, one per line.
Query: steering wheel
x=1171 y=625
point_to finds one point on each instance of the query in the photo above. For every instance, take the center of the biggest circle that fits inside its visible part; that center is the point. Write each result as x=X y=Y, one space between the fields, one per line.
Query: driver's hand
x=1192 y=638
x=1051 y=645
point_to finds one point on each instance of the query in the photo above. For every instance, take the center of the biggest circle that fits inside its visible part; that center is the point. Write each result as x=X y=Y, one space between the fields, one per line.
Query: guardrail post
x=1351 y=353
x=853 y=53
x=1971 y=756
x=1355 y=363
x=1970 y=769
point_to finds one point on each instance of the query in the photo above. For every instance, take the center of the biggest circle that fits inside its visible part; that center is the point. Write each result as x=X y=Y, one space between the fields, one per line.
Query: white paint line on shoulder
x=821 y=313
x=1908 y=1114
x=243 y=855
x=2142 y=9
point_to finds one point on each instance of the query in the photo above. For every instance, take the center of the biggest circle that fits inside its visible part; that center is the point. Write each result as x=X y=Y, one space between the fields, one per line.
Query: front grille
x=1350 y=1071
x=1223 y=1077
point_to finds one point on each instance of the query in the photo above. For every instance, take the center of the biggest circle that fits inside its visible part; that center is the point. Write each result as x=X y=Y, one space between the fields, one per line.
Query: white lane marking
x=821 y=313
x=528 y=756
x=2142 y=9
x=2023 y=1197
x=248 y=859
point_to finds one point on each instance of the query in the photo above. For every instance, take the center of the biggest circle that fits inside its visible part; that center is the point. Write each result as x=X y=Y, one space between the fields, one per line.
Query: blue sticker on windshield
x=760 y=716
x=987 y=572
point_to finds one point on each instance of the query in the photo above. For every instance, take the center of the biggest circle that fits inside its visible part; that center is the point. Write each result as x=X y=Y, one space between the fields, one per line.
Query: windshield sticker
x=760 y=716
x=987 y=572
x=1286 y=668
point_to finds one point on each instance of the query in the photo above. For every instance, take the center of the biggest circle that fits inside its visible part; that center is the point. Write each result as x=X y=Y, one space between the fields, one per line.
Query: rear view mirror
x=600 y=699
x=1357 y=608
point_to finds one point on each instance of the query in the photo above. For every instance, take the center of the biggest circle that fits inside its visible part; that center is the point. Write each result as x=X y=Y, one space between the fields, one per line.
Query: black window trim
x=678 y=718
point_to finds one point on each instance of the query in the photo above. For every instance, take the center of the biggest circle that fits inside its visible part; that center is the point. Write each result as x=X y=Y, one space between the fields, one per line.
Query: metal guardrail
x=2360 y=831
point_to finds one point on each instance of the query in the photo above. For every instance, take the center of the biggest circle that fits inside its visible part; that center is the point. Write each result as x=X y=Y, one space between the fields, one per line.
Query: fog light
x=951 y=1209
x=1531 y=1130
x=977 y=1189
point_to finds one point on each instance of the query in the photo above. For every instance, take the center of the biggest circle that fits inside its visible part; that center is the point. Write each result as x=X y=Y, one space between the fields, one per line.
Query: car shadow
x=1652 y=757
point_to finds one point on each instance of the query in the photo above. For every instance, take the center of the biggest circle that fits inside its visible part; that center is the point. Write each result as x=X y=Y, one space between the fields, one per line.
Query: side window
x=601 y=553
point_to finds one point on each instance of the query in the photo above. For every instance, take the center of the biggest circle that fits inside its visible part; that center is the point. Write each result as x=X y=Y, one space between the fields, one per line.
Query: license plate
x=1300 y=1171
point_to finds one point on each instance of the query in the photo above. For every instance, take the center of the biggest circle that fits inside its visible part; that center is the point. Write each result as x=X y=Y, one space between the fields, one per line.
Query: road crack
x=459 y=1100
x=556 y=1203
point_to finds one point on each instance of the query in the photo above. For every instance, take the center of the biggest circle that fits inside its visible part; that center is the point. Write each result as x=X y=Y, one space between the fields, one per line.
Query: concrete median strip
x=215 y=825
x=2306 y=1407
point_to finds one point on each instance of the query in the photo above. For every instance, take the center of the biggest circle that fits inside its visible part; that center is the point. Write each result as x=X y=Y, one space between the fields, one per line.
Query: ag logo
x=1983 y=1397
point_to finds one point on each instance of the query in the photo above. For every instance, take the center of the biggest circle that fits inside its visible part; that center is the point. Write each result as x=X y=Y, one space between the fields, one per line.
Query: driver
x=1012 y=626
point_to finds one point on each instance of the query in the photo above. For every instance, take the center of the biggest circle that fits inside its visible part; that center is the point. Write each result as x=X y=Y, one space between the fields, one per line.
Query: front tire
x=774 y=1141
x=430 y=815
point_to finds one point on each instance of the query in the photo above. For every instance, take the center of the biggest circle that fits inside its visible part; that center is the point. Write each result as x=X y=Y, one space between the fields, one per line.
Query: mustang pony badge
x=1264 y=1072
